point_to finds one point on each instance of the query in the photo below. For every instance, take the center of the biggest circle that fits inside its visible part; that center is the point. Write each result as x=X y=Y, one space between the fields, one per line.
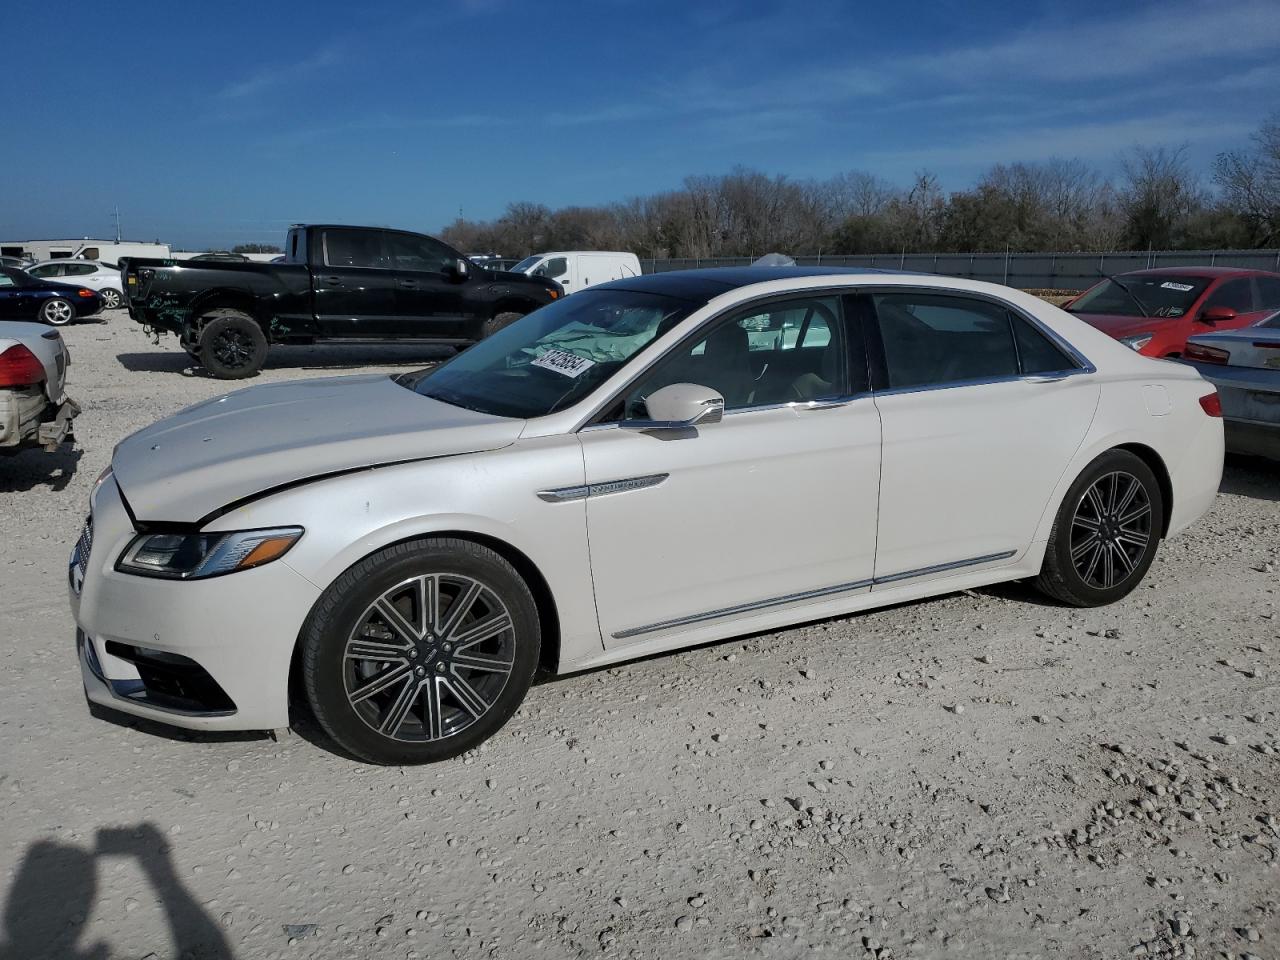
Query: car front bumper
x=204 y=654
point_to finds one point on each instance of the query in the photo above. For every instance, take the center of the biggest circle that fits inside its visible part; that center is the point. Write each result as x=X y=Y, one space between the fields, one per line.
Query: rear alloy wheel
x=421 y=651
x=1106 y=532
x=232 y=346
x=57 y=312
x=110 y=298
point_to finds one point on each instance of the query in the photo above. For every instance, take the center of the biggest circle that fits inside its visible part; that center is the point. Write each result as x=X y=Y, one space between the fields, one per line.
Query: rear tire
x=57 y=312
x=1106 y=533
x=232 y=346
x=497 y=322
x=421 y=651
x=110 y=298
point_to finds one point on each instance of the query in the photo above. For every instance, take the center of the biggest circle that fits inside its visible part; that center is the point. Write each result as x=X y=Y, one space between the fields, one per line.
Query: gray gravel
x=979 y=775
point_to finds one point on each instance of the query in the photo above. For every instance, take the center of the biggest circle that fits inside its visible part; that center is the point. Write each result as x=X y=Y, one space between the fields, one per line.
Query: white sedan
x=652 y=463
x=94 y=274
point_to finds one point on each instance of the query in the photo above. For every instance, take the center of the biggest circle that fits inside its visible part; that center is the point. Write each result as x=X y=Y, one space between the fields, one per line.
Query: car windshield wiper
x=1128 y=293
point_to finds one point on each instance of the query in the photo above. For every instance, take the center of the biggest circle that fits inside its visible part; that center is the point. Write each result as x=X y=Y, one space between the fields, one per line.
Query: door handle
x=1044 y=378
x=332 y=281
x=821 y=404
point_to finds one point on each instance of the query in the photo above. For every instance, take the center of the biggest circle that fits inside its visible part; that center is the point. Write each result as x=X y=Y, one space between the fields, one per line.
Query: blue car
x=24 y=297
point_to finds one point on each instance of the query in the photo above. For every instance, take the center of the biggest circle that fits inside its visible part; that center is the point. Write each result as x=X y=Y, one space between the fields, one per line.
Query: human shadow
x=37 y=468
x=56 y=887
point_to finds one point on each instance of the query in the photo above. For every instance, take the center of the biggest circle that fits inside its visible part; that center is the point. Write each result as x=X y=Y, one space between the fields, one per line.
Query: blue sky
x=218 y=123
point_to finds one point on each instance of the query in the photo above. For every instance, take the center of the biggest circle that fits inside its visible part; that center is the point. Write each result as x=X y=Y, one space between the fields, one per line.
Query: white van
x=578 y=269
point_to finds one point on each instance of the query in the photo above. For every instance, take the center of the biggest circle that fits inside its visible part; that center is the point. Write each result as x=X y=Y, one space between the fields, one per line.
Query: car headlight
x=192 y=556
x=1138 y=341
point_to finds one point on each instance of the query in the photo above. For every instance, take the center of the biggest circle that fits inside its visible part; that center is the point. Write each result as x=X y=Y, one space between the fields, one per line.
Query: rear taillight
x=1211 y=404
x=1198 y=351
x=85 y=293
x=19 y=367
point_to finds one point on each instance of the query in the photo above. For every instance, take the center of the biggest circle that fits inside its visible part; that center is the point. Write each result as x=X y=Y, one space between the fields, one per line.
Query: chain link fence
x=1028 y=271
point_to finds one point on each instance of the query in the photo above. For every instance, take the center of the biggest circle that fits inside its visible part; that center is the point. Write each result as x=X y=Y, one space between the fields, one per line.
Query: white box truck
x=578 y=269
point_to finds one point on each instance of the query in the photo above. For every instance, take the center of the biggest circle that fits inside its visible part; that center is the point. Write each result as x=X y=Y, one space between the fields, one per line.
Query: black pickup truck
x=336 y=284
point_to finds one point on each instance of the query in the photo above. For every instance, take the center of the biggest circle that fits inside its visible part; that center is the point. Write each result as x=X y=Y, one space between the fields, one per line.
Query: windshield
x=555 y=356
x=1160 y=296
x=525 y=264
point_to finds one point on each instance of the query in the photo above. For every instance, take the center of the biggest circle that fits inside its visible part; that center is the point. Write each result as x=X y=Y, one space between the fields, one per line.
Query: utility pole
x=117 y=219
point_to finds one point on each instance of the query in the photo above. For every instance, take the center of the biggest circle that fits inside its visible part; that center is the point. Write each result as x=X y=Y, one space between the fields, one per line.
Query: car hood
x=191 y=465
x=1119 y=326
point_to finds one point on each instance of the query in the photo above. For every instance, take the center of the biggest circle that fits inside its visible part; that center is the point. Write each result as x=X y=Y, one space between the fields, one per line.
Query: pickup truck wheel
x=57 y=312
x=497 y=322
x=232 y=345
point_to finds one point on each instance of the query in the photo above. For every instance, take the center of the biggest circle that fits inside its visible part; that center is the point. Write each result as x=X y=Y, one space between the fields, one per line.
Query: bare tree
x=1159 y=196
x=1250 y=184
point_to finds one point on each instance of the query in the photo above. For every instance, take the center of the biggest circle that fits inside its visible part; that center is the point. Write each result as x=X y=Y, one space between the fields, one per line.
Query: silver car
x=34 y=407
x=1244 y=365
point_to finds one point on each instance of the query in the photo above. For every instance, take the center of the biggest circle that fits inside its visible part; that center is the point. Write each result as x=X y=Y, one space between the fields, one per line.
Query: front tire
x=497 y=322
x=1106 y=532
x=57 y=312
x=232 y=346
x=110 y=298
x=421 y=651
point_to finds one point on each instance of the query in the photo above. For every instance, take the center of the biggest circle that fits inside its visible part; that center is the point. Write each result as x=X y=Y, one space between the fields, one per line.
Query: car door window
x=1036 y=352
x=80 y=269
x=418 y=254
x=932 y=340
x=788 y=351
x=1236 y=294
x=554 y=268
x=47 y=270
x=1268 y=293
x=354 y=248
x=6 y=280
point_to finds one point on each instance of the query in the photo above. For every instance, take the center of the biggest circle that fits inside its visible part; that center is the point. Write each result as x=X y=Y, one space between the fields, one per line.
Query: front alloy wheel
x=110 y=298
x=429 y=657
x=420 y=651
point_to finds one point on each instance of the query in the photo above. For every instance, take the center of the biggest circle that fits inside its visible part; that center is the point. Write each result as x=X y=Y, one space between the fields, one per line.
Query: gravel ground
x=981 y=775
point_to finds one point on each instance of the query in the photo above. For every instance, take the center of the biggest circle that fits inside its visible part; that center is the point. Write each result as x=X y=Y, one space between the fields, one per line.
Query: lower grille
x=170 y=681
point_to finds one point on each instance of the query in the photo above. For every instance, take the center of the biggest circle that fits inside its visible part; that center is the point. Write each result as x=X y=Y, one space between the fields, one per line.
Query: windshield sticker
x=563 y=362
x=1170 y=285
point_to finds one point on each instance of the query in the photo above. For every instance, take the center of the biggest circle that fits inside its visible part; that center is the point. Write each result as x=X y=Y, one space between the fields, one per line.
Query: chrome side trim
x=943 y=567
x=1052 y=377
x=741 y=608
x=809 y=595
x=583 y=491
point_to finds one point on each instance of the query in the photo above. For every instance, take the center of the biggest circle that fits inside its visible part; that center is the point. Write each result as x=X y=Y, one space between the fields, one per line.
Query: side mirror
x=680 y=406
x=1216 y=315
x=459 y=270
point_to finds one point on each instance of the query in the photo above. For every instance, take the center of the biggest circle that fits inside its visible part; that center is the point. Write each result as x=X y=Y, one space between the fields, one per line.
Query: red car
x=1154 y=311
